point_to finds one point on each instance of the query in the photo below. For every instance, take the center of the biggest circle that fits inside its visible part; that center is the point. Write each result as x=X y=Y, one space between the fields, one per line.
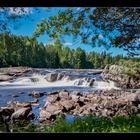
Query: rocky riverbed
x=79 y=93
x=105 y=103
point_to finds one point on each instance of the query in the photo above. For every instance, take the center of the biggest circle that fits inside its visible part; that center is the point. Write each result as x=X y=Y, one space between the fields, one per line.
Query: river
x=74 y=80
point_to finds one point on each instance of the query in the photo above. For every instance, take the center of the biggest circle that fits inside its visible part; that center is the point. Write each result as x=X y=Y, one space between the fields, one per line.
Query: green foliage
x=25 y=51
x=87 y=124
x=119 y=26
x=130 y=67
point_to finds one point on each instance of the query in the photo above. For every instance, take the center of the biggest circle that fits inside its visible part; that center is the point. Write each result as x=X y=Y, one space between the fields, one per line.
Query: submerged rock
x=36 y=94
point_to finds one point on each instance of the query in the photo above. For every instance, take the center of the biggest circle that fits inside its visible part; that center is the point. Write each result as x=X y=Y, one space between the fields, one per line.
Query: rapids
x=72 y=80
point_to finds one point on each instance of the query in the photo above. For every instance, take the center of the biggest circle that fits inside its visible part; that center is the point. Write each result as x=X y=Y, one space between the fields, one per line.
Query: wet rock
x=21 y=114
x=51 y=77
x=90 y=95
x=76 y=93
x=104 y=112
x=53 y=93
x=6 y=111
x=15 y=96
x=30 y=116
x=85 y=112
x=5 y=78
x=34 y=101
x=54 y=108
x=52 y=98
x=74 y=97
x=64 y=95
x=45 y=115
x=59 y=76
x=34 y=104
x=36 y=94
x=21 y=92
x=68 y=104
x=23 y=105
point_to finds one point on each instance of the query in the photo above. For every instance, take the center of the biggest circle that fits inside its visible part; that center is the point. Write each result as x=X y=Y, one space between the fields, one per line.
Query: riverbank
x=103 y=103
x=35 y=99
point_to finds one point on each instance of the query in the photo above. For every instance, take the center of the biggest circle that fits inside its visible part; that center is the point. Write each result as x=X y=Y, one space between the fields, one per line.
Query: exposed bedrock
x=105 y=103
x=122 y=79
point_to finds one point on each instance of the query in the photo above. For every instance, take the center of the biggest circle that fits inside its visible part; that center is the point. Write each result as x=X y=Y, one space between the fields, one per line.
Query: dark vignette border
x=70 y=3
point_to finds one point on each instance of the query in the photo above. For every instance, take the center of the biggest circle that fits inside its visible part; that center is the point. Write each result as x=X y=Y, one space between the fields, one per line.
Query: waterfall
x=55 y=79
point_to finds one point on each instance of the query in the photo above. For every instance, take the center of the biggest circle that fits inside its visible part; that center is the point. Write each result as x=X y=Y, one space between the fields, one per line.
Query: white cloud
x=78 y=8
x=101 y=36
x=20 y=10
x=51 y=42
x=67 y=44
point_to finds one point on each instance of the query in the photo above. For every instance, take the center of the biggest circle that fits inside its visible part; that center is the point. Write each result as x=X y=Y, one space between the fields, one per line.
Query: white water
x=38 y=80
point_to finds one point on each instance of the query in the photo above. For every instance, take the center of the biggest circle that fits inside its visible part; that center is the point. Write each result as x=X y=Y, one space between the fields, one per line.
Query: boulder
x=51 y=77
x=36 y=94
x=68 y=105
x=5 y=78
x=45 y=115
x=22 y=113
x=6 y=111
x=64 y=95
x=52 y=98
x=60 y=76
x=54 y=108
x=77 y=93
x=74 y=97
x=21 y=105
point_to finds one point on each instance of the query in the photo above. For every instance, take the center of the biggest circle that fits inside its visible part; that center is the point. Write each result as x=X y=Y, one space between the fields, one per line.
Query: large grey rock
x=64 y=95
x=52 y=98
x=5 y=78
x=21 y=114
x=6 y=111
x=75 y=97
x=59 y=76
x=51 y=77
x=68 y=104
x=45 y=115
x=54 y=108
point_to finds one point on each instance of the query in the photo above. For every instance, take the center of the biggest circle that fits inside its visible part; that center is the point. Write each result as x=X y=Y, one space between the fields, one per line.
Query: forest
x=25 y=51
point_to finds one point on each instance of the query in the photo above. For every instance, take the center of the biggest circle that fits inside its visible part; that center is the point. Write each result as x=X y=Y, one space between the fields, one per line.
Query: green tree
x=113 y=26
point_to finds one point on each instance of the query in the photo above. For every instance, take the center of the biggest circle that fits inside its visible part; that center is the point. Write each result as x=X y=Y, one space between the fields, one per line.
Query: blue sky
x=28 y=27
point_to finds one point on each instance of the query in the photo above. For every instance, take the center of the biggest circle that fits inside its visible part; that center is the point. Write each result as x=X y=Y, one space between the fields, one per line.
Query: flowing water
x=36 y=81
x=73 y=80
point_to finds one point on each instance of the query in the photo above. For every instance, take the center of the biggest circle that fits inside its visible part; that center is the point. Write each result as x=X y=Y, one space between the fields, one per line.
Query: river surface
x=19 y=88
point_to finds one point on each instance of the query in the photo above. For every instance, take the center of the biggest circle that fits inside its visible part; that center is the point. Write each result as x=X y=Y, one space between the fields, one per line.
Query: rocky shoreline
x=8 y=74
x=109 y=103
x=100 y=103
x=116 y=73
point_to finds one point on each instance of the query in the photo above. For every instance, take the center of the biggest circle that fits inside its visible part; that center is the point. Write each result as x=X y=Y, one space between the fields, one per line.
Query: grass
x=88 y=124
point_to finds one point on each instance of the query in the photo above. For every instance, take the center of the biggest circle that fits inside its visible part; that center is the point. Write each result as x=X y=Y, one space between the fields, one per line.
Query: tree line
x=26 y=51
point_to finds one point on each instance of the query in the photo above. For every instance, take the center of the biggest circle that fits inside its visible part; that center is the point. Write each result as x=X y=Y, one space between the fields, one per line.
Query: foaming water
x=105 y=85
x=37 y=80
